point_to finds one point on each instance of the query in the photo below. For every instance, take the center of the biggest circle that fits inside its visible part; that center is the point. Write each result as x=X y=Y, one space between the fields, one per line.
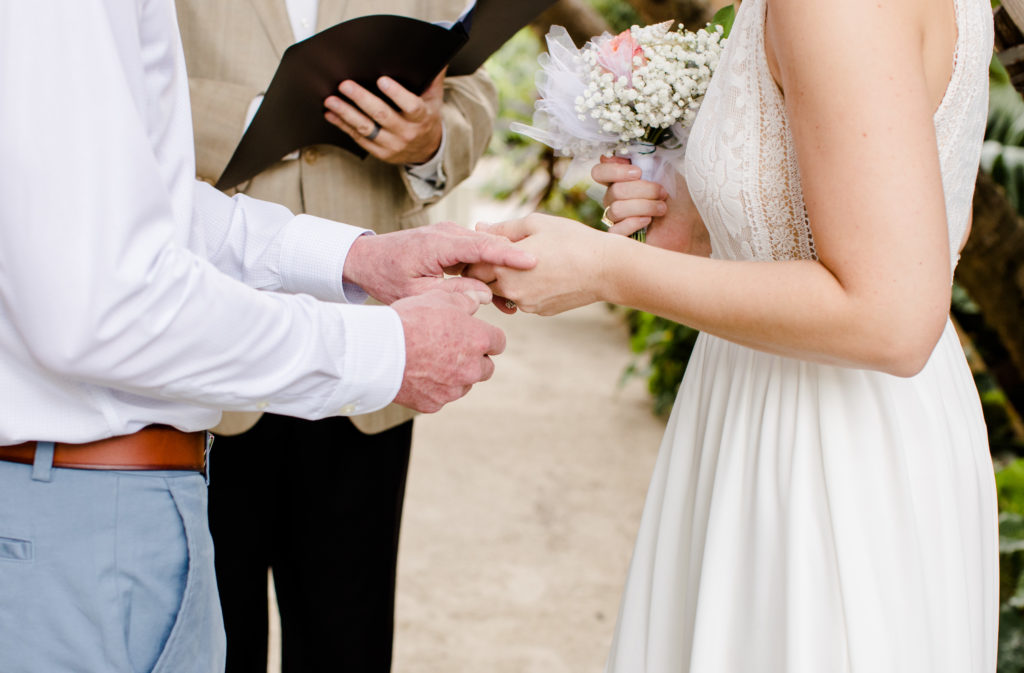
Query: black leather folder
x=410 y=51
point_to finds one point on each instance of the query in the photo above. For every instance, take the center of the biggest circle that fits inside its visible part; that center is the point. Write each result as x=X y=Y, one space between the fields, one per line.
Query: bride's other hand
x=672 y=222
x=631 y=203
x=568 y=272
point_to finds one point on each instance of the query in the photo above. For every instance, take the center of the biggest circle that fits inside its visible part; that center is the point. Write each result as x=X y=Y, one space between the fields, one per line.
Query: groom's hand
x=447 y=350
x=410 y=262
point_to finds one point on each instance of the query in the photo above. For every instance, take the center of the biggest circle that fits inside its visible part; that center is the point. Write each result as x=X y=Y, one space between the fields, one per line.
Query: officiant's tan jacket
x=227 y=70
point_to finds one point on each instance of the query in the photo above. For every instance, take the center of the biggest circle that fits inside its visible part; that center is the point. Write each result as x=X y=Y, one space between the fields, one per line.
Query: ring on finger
x=372 y=135
x=509 y=304
x=605 y=220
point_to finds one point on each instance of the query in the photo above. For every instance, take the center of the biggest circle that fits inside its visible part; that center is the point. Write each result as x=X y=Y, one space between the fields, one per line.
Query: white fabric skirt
x=806 y=518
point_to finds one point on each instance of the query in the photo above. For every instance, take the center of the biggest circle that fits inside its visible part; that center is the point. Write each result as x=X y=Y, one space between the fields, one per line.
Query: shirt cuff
x=313 y=253
x=428 y=179
x=374 y=357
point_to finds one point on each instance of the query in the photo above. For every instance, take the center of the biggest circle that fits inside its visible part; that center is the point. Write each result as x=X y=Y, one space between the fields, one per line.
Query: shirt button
x=348 y=410
x=311 y=155
x=262 y=405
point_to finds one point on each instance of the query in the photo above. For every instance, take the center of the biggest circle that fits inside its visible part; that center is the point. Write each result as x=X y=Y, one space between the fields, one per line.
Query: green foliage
x=1003 y=153
x=1010 y=488
x=1003 y=159
x=663 y=348
x=1011 y=641
x=513 y=70
x=620 y=15
x=725 y=18
x=1001 y=436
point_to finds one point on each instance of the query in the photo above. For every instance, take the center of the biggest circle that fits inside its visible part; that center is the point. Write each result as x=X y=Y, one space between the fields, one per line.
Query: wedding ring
x=605 y=220
x=509 y=304
x=374 y=133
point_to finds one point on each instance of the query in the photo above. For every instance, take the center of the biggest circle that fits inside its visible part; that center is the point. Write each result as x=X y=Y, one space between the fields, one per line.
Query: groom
x=130 y=315
x=335 y=591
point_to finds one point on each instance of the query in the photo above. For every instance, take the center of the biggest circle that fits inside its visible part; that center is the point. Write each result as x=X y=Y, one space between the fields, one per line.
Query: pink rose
x=617 y=54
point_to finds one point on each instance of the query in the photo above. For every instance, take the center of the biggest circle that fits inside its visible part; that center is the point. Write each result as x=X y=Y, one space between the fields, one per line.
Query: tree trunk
x=991 y=266
x=584 y=22
x=1009 y=41
x=577 y=16
x=691 y=13
x=992 y=272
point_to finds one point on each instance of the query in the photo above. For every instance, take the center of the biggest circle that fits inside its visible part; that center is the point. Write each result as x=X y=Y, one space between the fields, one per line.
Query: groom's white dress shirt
x=123 y=298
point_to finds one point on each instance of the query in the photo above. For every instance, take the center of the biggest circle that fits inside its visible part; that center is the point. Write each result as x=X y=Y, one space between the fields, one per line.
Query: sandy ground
x=522 y=505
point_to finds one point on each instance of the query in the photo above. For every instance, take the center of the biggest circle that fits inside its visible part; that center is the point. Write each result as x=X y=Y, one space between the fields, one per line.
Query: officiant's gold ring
x=372 y=135
x=605 y=220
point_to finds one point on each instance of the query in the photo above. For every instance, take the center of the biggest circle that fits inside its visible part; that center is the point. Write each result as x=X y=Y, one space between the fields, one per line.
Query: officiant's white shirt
x=120 y=300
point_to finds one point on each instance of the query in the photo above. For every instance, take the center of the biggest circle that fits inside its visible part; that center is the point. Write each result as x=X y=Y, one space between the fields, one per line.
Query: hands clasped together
x=579 y=265
x=447 y=350
x=437 y=277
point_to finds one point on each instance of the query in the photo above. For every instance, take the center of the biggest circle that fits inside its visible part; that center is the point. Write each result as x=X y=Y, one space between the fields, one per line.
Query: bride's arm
x=855 y=83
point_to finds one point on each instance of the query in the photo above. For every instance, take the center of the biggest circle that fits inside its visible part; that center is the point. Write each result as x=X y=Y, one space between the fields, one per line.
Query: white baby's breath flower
x=618 y=95
x=671 y=72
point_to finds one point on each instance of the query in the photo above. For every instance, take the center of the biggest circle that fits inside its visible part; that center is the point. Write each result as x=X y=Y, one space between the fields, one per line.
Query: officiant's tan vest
x=229 y=68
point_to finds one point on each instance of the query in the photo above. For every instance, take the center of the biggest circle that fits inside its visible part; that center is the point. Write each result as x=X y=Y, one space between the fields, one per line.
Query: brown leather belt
x=156 y=447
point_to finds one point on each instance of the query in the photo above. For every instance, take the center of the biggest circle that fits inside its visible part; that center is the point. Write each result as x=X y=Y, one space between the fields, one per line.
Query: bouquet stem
x=643 y=158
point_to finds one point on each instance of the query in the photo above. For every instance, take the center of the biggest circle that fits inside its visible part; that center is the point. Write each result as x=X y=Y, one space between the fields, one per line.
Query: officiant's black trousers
x=320 y=504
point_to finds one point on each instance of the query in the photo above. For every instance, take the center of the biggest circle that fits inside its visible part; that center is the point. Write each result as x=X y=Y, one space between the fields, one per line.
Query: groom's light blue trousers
x=106 y=572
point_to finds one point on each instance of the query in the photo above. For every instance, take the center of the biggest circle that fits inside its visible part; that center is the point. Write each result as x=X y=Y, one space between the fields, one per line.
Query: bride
x=824 y=499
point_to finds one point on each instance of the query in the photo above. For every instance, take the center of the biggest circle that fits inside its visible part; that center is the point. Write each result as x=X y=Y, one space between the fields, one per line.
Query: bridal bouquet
x=634 y=95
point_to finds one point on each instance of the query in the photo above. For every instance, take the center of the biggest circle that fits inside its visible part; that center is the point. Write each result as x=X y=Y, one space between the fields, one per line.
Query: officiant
x=327 y=525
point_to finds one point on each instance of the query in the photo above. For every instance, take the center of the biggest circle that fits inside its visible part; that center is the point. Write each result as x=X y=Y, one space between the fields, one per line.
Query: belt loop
x=206 y=456
x=42 y=463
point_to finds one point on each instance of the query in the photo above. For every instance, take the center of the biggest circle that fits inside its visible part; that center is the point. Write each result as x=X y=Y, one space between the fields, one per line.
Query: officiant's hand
x=447 y=350
x=413 y=261
x=631 y=203
x=411 y=135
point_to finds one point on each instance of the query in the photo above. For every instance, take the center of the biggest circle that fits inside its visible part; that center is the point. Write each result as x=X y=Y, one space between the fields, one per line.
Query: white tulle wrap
x=567 y=77
x=660 y=163
x=563 y=77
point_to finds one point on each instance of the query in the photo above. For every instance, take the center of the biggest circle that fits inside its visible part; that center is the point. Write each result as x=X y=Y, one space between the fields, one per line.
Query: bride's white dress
x=805 y=518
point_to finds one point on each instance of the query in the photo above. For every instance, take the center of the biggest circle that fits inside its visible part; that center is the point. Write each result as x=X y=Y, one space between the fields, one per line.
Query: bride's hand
x=672 y=223
x=568 y=271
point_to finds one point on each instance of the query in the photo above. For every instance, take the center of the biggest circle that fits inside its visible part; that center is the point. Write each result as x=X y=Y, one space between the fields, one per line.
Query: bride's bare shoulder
x=920 y=32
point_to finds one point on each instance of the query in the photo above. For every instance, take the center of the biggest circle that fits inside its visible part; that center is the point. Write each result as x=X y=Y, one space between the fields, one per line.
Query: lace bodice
x=741 y=165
